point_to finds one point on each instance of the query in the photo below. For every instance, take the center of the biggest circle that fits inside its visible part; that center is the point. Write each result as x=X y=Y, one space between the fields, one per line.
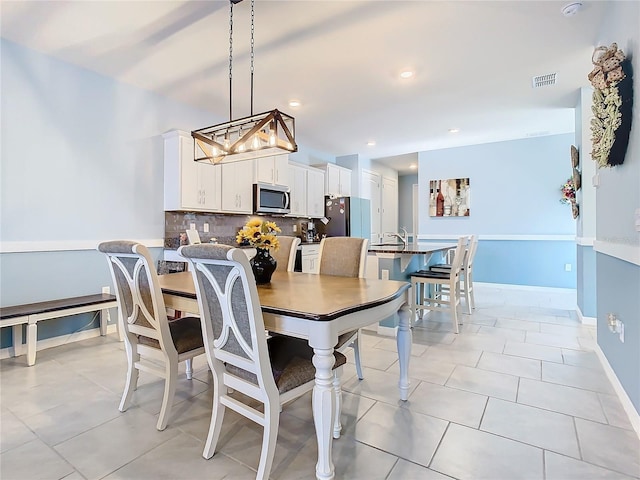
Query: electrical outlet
x=295 y=228
x=621 y=330
x=106 y=289
x=206 y=227
x=567 y=267
x=192 y=226
x=385 y=274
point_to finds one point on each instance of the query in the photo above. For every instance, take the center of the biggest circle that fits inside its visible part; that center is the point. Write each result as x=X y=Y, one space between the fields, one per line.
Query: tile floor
x=518 y=394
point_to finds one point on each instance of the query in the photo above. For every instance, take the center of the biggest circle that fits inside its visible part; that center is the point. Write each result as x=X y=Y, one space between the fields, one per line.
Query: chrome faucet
x=404 y=237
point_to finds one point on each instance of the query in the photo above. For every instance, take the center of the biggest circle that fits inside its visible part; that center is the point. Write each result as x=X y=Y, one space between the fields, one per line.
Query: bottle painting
x=440 y=201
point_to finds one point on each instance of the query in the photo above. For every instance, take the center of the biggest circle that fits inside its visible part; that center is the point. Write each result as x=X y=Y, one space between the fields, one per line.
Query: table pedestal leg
x=323 y=411
x=404 y=340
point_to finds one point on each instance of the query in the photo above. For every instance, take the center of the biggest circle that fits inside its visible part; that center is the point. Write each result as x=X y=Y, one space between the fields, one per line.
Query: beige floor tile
x=533 y=426
x=520 y=367
x=466 y=453
x=562 y=399
x=33 y=461
x=596 y=441
x=484 y=382
x=448 y=404
x=401 y=432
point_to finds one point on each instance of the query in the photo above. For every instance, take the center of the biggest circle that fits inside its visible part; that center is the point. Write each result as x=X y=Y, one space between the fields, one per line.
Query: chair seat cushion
x=186 y=334
x=430 y=274
x=344 y=338
x=291 y=362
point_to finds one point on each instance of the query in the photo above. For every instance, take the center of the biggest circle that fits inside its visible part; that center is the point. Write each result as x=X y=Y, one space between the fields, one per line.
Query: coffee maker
x=309 y=231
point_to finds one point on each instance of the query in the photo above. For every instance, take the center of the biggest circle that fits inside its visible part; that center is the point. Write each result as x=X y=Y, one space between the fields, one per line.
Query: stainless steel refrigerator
x=346 y=217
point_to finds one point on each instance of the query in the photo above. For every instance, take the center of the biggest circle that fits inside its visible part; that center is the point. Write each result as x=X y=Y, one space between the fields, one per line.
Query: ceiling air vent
x=544 y=80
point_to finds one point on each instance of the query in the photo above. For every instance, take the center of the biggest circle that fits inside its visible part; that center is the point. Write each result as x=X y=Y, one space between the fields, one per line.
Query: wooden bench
x=30 y=314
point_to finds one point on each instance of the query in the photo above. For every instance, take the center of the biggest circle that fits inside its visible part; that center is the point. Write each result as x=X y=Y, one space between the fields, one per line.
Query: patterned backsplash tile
x=223 y=227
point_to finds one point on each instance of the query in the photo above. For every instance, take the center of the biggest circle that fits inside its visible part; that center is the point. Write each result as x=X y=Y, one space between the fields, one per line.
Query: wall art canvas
x=449 y=198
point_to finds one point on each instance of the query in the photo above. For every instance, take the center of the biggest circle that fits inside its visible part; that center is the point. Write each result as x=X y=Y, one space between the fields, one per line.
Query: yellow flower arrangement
x=259 y=234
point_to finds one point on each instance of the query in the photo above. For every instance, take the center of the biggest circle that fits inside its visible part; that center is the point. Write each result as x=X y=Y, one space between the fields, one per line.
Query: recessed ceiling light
x=413 y=166
x=406 y=74
x=454 y=130
x=371 y=143
x=294 y=103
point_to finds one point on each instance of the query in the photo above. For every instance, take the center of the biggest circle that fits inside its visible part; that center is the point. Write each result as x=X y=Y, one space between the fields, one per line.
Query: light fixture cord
x=230 y=60
x=252 y=55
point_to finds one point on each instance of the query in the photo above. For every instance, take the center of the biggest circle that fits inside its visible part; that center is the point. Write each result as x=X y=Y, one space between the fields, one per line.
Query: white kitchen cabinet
x=315 y=193
x=298 y=194
x=237 y=187
x=273 y=170
x=188 y=185
x=337 y=180
x=310 y=256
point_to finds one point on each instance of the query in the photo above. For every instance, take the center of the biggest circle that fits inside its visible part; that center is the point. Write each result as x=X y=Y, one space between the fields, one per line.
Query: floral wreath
x=259 y=234
x=612 y=105
x=568 y=191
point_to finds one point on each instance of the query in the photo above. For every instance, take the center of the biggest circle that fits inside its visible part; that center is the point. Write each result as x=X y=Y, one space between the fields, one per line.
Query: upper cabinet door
x=298 y=184
x=337 y=181
x=237 y=187
x=188 y=185
x=315 y=193
x=273 y=170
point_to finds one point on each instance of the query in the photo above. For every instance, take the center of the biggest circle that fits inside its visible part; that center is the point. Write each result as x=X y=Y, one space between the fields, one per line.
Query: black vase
x=263 y=266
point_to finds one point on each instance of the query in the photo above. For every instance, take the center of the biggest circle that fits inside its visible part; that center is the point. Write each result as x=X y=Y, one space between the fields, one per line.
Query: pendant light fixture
x=255 y=136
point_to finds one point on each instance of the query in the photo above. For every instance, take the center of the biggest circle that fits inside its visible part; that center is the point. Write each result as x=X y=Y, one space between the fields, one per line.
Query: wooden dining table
x=318 y=308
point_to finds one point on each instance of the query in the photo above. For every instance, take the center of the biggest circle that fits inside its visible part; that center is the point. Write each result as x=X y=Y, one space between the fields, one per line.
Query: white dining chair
x=286 y=254
x=428 y=288
x=345 y=257
x=152 y=342
x=272 y=371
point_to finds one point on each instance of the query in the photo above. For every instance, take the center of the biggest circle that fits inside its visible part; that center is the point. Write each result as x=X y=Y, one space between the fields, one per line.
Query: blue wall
x=526 y=234
x=617 y=242
x=620 y=297
x=82 y=162
x=538 y=263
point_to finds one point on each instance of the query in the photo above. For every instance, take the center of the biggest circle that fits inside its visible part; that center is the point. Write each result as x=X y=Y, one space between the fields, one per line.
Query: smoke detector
x=571 y=9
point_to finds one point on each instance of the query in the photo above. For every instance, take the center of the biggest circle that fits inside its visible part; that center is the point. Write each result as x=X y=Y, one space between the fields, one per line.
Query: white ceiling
x=474 y=62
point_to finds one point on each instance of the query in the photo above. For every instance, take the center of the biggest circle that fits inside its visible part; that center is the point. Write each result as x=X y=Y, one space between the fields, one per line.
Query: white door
x=371 y=190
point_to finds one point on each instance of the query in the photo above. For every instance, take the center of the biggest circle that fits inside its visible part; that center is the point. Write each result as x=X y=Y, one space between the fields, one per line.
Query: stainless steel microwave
x=271 y=198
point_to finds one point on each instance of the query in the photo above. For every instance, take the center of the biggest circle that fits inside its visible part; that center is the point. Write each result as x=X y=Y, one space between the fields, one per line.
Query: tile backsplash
x=223 y=227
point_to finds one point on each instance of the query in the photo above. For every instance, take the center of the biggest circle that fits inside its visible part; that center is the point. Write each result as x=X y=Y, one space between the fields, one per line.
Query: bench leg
x=17 y=340
x=32 y=338
x=104 y=320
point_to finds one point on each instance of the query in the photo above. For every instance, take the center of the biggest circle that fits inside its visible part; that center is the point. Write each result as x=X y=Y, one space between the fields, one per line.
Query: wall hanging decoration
x=575 y=163
x=612 y=83
x=568 y=191
x=449 y=198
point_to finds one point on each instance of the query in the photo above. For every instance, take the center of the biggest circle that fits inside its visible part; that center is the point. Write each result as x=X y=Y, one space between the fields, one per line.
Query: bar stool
x=434 y=299
x=466 y=273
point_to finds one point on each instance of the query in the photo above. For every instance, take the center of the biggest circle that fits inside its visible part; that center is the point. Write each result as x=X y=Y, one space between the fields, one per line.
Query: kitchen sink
x=387 y=244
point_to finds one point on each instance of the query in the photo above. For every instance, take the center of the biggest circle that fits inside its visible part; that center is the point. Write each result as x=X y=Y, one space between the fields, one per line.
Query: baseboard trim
x=632 y=413
x=59 y=340
x=591 y=321
x=534 y=288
